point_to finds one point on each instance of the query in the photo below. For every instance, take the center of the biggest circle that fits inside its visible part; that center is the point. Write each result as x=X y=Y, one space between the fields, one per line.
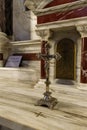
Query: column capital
x=82 y=29
x=44 y=34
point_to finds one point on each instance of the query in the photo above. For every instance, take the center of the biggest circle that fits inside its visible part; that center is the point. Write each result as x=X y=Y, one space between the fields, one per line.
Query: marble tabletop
x=18 y=109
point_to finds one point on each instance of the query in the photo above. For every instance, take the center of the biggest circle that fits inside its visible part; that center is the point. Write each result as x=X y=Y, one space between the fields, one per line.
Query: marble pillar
x=84 y=60
x=83 y=74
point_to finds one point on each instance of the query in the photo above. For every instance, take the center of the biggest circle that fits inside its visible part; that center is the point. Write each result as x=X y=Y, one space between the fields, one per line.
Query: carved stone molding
x=44 y=34
x=28 y=46
x=36 y=4
x=82 y=29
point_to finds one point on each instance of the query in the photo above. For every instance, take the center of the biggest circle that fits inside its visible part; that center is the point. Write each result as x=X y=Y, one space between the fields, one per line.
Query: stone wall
x=29 y=70
x=23 y=22
x=28 y=74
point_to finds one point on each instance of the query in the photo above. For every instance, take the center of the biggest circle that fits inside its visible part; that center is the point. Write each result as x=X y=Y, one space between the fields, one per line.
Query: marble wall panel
x=84 y=61
x=24 y=22
x=57 y=2
x=59 y=16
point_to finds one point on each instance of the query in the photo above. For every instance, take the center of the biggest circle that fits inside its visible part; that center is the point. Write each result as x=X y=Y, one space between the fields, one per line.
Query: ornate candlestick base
x=48 y=101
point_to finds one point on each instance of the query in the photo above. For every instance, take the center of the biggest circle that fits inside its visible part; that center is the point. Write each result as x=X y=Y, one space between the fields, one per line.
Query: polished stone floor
x=18 y=110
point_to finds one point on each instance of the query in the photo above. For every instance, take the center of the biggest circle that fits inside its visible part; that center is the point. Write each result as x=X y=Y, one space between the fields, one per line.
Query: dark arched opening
x=65 y=67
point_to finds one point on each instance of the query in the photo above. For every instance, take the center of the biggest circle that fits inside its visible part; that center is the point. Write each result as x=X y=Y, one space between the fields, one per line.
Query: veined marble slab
x=20 y=75
x=19 y=112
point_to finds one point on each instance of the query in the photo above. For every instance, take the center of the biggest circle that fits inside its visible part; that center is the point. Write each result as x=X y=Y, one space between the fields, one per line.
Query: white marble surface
x=18 y=110
x=21 y=76
x=27 y=46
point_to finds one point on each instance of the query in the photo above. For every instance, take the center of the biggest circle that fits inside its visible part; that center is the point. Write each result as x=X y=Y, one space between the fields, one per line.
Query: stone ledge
x=20 y=75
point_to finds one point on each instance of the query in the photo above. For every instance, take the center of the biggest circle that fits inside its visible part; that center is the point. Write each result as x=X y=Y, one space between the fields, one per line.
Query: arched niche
x=65 y=67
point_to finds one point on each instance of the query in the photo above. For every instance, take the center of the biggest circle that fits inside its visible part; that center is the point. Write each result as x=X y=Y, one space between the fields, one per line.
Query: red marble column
x=84 y=60
x=43 y=74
